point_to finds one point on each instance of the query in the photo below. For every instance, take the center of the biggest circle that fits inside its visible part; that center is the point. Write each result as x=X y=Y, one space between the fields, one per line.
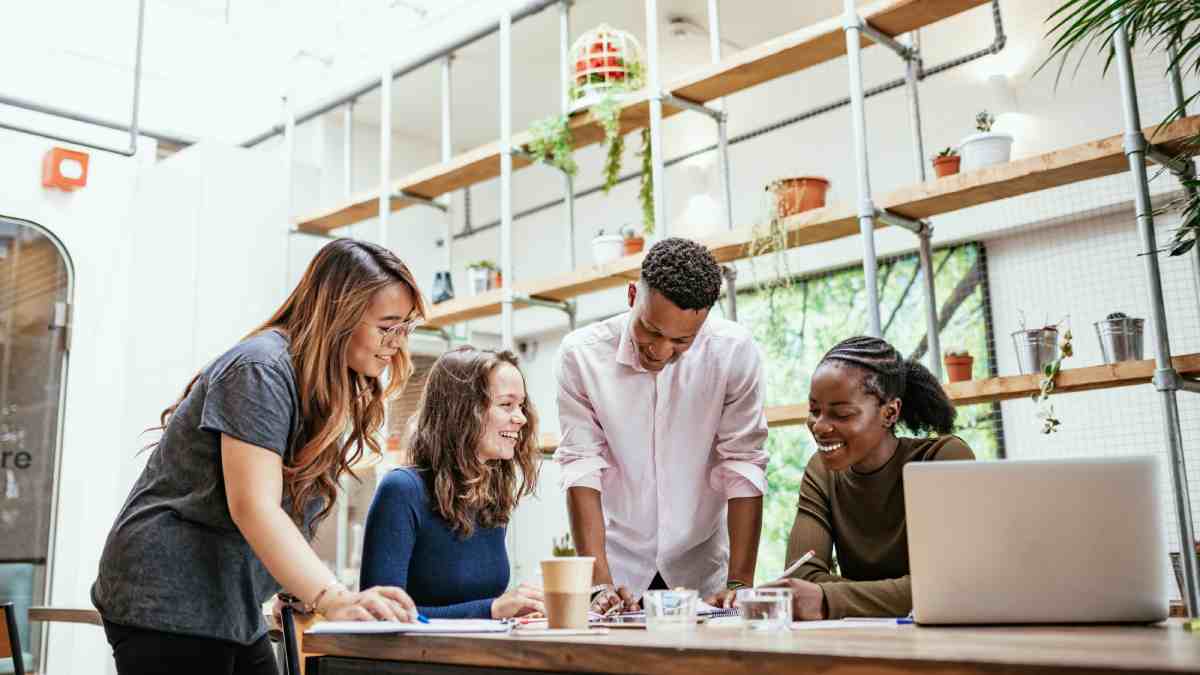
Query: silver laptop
x=1047 y=541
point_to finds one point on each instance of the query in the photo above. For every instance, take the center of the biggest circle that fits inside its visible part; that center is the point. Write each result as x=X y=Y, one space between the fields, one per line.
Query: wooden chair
x=291 y=638
x=10 y=638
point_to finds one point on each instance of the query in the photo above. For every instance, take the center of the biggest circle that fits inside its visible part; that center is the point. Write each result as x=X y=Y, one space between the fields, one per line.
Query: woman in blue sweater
x=436 y=528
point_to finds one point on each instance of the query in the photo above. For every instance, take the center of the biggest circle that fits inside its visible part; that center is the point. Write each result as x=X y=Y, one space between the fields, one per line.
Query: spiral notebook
x=441 y=626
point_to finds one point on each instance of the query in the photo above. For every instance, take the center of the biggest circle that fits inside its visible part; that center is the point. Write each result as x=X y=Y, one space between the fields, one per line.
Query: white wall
x=93 y=226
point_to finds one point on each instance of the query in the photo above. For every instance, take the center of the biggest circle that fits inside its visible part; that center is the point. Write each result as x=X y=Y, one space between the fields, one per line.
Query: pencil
x=796 y=565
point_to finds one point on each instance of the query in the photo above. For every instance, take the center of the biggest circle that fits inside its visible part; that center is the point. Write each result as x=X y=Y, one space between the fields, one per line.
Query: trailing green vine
x=553 y=144
x=608 y=113
x=1045 y=410
x=646 y=193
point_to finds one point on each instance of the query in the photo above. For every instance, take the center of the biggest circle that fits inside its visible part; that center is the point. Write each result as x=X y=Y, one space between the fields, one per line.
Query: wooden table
x=885 y=650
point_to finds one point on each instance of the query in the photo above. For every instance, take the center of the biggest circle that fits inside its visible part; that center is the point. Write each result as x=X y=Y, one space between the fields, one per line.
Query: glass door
x=35 y=294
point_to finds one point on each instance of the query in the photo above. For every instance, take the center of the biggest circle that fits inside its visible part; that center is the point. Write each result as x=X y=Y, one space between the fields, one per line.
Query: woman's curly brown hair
x=450 y=424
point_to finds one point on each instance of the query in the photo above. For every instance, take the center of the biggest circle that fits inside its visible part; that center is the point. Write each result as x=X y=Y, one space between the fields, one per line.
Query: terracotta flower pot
x=958 y=368
x=946 y=166
x=634 y=245
x=495 y=280
x=799 y=194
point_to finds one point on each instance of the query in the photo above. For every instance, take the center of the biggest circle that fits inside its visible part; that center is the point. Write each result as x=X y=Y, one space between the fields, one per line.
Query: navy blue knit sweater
x=408 y=544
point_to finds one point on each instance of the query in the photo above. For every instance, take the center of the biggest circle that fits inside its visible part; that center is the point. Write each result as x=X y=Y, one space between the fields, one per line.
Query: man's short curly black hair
x=685 y=272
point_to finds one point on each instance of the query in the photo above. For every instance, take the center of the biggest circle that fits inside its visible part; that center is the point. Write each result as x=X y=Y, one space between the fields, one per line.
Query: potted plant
x=1047 y=421
x=958 y=364
x=632 y=239
x=552 y=143
x=607 y=60
x=562 y=546
x=799 y=194
x=607 y=247
x=986 y=147
x=946 y=162
x=484 y=276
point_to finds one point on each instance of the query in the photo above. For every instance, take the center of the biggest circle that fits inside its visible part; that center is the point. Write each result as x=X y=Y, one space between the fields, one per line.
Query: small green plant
x=630 y=232
x=553 y=144
x=484 y=264
x=984 y=121
x=946 y=152
x=955 y=350
x=562 y=546
x=1045 y=410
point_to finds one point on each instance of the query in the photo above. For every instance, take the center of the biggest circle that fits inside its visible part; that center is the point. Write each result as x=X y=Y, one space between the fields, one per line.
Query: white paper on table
x=394 y=627
x=841 y=624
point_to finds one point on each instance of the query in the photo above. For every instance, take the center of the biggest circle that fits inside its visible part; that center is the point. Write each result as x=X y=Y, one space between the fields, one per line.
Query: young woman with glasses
x=246 y=466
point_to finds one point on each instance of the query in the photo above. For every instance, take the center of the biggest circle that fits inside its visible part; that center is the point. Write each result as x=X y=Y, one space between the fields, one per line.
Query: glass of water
x=670 y=610
x=765 y=609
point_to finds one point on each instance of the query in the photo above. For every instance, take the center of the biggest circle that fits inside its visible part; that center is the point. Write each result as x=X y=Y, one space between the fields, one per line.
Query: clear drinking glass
x=670 y=610
x=765 y=609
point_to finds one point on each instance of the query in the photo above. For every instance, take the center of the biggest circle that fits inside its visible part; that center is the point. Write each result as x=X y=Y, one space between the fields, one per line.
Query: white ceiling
x=416 y=97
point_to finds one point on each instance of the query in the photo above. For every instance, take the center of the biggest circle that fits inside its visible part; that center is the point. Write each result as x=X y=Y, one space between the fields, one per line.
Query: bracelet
x=600 y=588
x=307 y=607
x=734 y=584
x=316 y=603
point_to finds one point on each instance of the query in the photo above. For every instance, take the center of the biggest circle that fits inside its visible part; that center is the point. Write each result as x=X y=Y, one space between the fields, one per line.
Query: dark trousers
x=139 y=651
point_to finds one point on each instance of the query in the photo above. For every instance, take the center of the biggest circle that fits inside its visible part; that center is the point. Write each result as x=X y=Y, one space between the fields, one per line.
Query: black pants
x=139 y=651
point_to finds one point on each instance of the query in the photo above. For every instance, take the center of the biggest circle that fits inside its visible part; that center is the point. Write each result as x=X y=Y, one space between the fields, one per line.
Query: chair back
x=10 y=638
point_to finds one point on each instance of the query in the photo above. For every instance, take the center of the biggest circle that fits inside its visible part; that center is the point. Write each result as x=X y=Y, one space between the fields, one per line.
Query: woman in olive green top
x=852 y=495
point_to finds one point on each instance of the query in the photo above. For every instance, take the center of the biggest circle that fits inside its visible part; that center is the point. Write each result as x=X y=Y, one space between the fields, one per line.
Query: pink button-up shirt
x=667 y=450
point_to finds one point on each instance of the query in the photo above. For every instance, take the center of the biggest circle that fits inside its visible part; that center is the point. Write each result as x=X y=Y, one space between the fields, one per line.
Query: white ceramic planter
x=479 y=279
x=607 y=248
x=986 y=149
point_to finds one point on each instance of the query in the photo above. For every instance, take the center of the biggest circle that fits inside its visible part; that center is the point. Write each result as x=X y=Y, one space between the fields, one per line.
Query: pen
x=421 y=618
x=796 y=565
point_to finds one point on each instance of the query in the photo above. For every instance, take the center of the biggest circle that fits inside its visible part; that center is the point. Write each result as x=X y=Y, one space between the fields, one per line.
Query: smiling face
x=504 y=420
x=849 y=425
x=372 y=347
x=661 y=331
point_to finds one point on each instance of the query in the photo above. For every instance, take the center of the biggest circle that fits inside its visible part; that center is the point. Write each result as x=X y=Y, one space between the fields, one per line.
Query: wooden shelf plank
x=943 y=195
x=1123 y=374
x=784 y=55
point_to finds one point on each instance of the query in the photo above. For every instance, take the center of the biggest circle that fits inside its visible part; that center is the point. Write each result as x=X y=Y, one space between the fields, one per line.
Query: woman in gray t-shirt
x=248 y=463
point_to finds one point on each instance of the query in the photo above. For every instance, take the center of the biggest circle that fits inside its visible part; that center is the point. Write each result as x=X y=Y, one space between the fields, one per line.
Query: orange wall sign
x=64 y=169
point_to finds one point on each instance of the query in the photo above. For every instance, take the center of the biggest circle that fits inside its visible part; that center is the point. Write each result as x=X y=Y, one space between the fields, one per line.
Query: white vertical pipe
x=564 y=51
x=1164 y=373
x=866 y=207
x=714 y=48
x=289 y=148
x=926 y=235
x=506 y=315
x=348 y=147
x=385 y=153
x=656 y=143
x=447 y=154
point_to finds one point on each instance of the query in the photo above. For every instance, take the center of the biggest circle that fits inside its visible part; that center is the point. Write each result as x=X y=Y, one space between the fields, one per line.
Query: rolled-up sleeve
x=740 y=470
x=583 y=450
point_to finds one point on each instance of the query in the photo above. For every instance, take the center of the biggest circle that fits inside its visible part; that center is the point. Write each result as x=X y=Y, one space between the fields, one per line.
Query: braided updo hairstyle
x=888 y=375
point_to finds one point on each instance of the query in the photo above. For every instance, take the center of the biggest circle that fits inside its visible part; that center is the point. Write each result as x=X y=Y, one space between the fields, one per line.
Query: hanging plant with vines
x=553 y=144
x=608 y=113
x=646 y=193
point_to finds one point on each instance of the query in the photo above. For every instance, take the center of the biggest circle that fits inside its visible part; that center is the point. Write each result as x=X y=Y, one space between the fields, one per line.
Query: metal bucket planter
x=1035 y=348
x=480 y=278
x=1120 y=338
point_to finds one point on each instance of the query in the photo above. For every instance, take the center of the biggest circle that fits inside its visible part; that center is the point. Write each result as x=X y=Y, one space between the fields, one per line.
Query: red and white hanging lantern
x=607 y=60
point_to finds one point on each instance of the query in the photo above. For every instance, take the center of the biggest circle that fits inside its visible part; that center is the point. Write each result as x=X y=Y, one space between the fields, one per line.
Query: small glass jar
x=670 y=610
x=765 y=609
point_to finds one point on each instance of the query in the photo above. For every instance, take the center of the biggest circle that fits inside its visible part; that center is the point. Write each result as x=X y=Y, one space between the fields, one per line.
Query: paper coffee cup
x=567 y=584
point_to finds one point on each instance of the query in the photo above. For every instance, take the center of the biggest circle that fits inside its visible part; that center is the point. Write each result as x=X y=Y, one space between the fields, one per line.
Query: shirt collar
x=627 y=354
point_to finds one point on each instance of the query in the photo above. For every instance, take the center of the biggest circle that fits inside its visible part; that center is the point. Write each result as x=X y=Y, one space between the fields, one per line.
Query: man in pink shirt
x=662 y=422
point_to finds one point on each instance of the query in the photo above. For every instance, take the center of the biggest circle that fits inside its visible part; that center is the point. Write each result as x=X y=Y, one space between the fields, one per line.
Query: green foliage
x=553 y=144
x=608 y=113
x=984 y=121
x=482 y=265
x=1045 y=411
x=947 y=152
x=797 y=322
x=646 y=192
x=1081 y=26
x=562 y=546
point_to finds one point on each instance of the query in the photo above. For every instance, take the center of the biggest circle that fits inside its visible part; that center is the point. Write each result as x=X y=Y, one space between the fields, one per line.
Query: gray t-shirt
x=174 y=560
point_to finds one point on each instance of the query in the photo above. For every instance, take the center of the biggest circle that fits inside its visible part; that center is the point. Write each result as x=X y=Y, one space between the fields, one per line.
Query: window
x=795 y=324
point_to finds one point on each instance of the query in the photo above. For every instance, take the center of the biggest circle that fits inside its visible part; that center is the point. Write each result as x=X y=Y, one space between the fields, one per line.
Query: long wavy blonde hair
x=451 y=420
x=340 y=410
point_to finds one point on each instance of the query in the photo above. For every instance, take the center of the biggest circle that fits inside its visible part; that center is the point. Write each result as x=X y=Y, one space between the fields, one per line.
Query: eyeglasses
x=396 y=335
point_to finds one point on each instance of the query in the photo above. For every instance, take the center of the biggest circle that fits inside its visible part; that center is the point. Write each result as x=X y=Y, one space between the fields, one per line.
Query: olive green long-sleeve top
x=863 y=516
